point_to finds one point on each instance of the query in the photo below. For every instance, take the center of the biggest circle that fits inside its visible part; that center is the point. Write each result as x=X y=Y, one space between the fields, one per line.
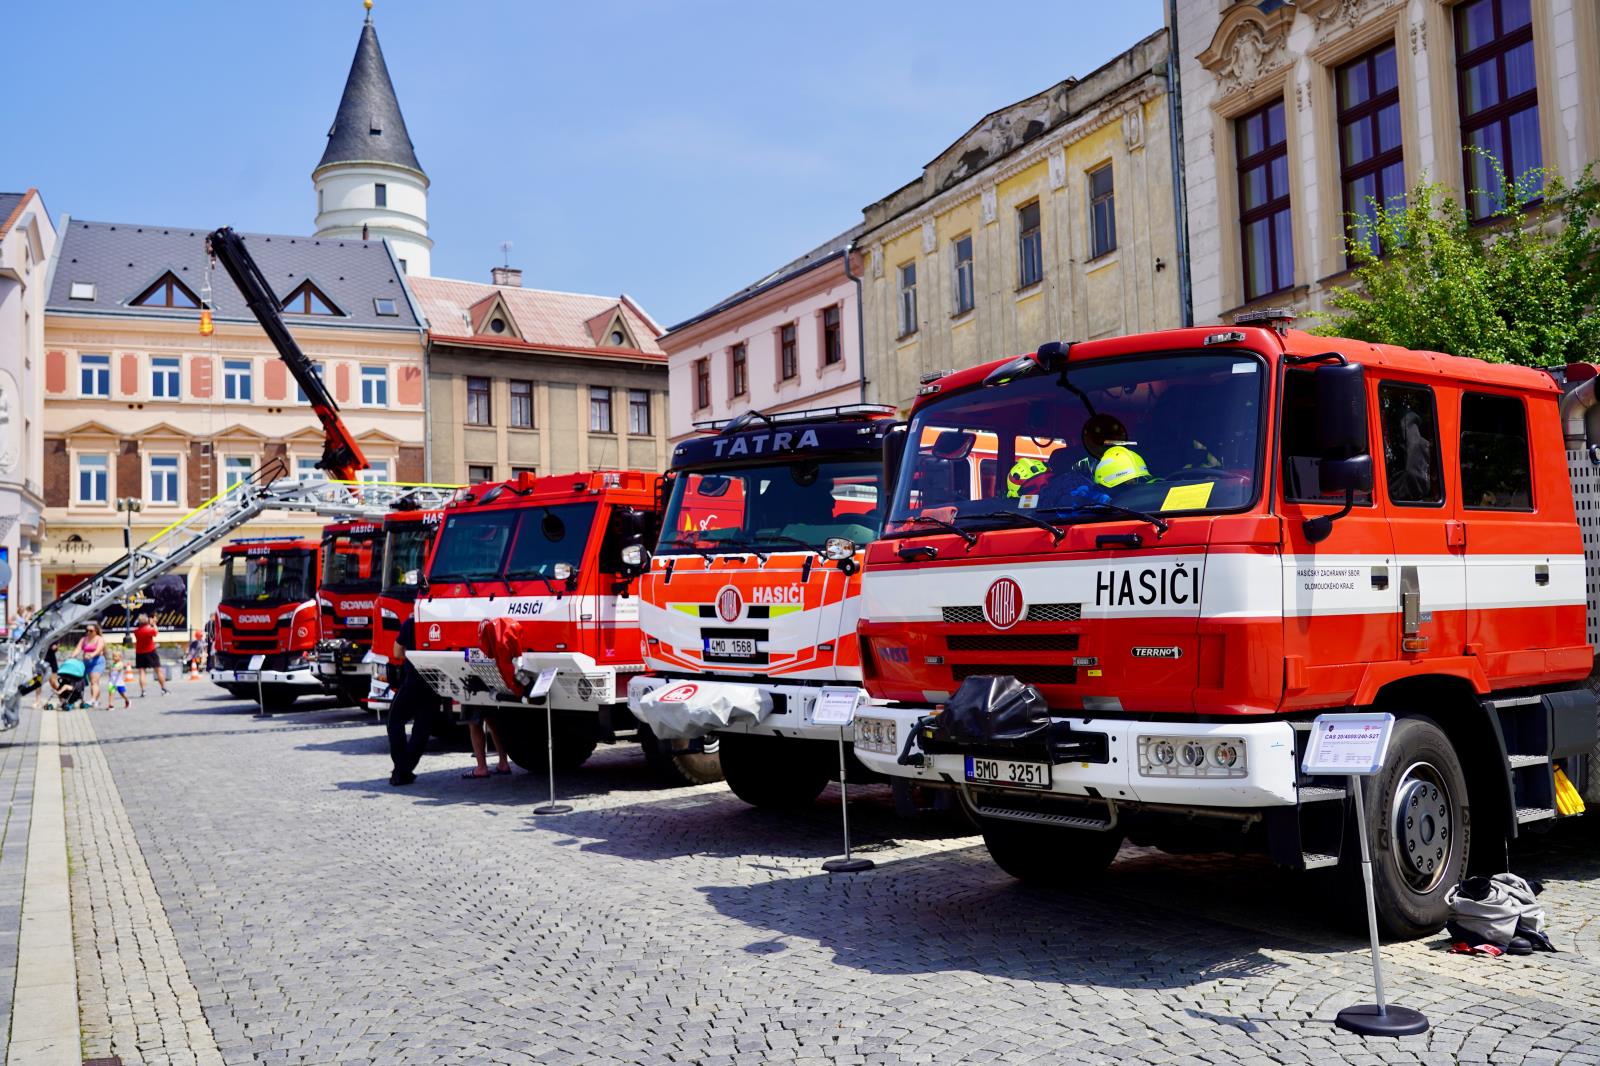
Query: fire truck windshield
x=403 y=555
x=281 y=577
x=1153 y=434
x=350 y=561
x=514 y=542
x=797 y=504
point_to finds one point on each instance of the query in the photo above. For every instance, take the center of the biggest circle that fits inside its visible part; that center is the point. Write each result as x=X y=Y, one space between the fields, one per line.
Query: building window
x=94 y=375
x=739 y=376
x=639 y=412
x=524 y=471
x=380 y=195
x=908 y=299
x=1499 y=98
x=702 y=378
x=166 y=378
x=479 y=474
x=788 y=360
x=93 y=476
x=374 y=386
x=307 y=299
x=832 y=339
x=377 y=470
x=81 y=290
x=522 y=405
x=599 y=409
x=307 y=470
x=168 y=291
x=1262 y=149
x=1371 y=156
x=1030 y=248
x=962 y=250
x=236 y=379
x=164 y=479
x=236 y=468
x=316 y=368
x=402 y=263
x=1102 y=212
x=478 y=402
x=385 y=306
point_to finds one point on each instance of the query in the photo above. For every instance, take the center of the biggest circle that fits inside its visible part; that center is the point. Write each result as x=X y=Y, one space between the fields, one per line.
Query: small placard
x=1347 y=744
x=256 y=661
x=542 y=684
x=835 y=706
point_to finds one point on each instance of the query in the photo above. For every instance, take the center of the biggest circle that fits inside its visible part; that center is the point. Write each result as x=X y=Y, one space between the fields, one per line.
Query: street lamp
x=129 y=506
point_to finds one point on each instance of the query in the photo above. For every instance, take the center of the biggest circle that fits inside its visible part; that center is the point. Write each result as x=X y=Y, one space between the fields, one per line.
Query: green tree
x=1522 y=287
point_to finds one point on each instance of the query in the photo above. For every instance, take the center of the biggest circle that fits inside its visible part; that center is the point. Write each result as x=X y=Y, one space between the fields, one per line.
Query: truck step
x=1534 y=814
x=1316 y=861
x=1316 y=793
x=1517 y=762
x=1062 y=821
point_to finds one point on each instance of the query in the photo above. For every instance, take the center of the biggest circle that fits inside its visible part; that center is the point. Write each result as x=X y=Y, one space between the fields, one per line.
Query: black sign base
x=847 y=866
x=1364 y=1020
x=553 y=808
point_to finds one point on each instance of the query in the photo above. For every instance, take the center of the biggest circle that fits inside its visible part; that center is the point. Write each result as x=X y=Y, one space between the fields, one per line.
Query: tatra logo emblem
x=1002 y=604
x=680 y=693
x=729 y=604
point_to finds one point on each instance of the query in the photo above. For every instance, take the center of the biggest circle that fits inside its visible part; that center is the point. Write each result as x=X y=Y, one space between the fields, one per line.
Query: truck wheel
x=672 y=767
x=1417 y=821
x=274 y=699
x=523 y=736
x=771 y=771
x=1045 y=855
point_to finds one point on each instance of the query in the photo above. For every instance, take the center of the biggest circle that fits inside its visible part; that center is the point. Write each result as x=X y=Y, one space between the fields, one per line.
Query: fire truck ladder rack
x=188 y=537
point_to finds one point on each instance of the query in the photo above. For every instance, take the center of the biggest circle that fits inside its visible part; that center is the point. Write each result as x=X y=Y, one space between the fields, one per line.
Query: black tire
x=274 y=699
x=677 y=768
x=772 y=772
x=1419 y=826
x=1046 y=855
x=523 y=737
x=239 y=692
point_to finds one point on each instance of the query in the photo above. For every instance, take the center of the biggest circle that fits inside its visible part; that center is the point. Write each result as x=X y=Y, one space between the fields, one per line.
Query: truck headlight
x=634 y=555
x=1192 y=757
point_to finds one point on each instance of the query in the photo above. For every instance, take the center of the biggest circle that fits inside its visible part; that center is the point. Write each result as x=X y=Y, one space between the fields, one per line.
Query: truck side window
x=1302 y=454
x=1494 y=453
x=1410 y=425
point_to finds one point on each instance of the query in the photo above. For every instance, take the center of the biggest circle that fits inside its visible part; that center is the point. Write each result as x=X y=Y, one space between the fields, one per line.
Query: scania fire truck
x=407 y=538
x=1231 y=531
x=540 y=559
x=346 y=605
x=264 y=646
x=749 y=606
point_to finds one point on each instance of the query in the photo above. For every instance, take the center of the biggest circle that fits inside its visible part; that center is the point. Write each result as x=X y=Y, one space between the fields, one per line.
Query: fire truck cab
x=266 y=623
x=407 y=538
x=346 y=605
x=1189 y=544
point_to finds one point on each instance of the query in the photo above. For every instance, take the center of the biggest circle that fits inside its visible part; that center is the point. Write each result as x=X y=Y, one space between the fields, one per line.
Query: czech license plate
x=357 y=620
x=246 y=675
x=1008 y=774
x=730 y=646
x=476 y=655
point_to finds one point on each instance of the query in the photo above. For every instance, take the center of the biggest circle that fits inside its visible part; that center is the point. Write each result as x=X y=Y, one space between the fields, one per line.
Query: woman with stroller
x=92 y=650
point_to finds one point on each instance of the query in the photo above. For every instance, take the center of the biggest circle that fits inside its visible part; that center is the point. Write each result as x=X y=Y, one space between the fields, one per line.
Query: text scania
x=777 y=594
x=1166 y=585
x=764 y=443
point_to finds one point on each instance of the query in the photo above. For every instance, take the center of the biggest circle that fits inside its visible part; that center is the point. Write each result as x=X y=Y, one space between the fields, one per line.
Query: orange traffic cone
x=194 y=670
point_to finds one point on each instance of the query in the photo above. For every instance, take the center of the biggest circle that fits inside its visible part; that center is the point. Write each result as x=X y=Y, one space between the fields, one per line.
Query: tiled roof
x=822 y=253
x=369 y=127
x=9 y=202
x=121 y=260
x=544 y=319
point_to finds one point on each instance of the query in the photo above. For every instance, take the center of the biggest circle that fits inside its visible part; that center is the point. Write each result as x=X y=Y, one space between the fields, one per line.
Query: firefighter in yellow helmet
x=1119 y=465
x=1022 y=470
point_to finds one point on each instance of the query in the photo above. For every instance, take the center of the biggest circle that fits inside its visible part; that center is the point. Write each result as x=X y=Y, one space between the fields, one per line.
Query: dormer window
x=308 y=300
x=168 y=291
x=497 y=325
x=617 y=339
x=82 y=290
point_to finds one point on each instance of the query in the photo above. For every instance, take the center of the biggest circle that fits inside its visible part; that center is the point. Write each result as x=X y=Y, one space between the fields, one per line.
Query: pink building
x=788 y=342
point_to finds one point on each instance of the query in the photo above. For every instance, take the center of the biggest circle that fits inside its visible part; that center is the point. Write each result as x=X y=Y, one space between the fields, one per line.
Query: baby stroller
x=70 y=680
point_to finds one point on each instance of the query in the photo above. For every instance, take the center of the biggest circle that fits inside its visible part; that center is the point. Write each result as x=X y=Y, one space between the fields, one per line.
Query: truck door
x=616 y=619
x=1340 y=595
x=1429 y=538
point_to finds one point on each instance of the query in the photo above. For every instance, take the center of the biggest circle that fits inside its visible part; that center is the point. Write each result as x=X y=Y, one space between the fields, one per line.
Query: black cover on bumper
x=1001 y=717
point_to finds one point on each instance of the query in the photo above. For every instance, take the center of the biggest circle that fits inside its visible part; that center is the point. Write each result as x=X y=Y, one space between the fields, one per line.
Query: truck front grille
x=1012 y=642
x=972 y=615
x=1027 y=673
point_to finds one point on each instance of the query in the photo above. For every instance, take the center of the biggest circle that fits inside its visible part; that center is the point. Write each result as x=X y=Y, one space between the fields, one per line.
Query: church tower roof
x=369 y=127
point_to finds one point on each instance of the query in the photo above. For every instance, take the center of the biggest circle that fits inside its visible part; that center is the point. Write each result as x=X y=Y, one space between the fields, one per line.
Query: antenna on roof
x=368 y=5
x=505 y=253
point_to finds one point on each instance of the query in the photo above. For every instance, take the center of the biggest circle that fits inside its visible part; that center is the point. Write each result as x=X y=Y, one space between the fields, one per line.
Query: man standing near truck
x=415 y=702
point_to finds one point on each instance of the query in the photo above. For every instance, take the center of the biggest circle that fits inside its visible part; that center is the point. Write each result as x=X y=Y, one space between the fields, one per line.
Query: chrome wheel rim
x=1424 y=827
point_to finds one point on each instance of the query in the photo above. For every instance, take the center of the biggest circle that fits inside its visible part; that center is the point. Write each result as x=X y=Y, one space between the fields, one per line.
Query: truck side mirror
x=1346 y=451
x=894 y=448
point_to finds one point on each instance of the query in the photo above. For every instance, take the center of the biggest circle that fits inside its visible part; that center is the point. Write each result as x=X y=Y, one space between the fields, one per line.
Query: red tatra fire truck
x=346 y=605
x=1230 y=531
x=266 y=624
x=407 y=538
x=749 y=608
x=541 y=560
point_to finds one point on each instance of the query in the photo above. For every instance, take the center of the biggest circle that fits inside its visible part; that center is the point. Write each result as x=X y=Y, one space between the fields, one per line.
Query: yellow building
x=1051 y=219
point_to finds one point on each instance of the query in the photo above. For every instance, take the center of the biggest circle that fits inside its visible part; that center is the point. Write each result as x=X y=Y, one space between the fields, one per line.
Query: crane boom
x=341 y=455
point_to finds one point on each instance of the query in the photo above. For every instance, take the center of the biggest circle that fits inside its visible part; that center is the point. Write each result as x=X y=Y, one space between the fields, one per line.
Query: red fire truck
x=264 y=647
x=749 y=608
x=346 y=605
x=407 y=538
x=542 y=559
x=1231 y=531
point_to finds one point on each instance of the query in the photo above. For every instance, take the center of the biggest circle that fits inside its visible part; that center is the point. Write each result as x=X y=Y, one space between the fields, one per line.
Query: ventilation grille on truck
x=1037 y=612
x=1586 y=499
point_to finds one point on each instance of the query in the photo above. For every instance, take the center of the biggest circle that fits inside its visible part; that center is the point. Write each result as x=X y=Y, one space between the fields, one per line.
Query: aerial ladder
x=339 y=494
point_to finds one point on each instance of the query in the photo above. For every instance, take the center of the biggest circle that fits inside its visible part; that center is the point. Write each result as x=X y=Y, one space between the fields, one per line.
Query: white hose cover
x=685 y=710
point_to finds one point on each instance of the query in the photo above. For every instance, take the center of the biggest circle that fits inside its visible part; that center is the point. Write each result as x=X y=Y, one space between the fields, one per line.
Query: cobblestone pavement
x=322 y=916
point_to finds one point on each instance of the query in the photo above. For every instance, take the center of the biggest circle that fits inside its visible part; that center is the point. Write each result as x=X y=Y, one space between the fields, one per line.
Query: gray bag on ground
x=1493 y=910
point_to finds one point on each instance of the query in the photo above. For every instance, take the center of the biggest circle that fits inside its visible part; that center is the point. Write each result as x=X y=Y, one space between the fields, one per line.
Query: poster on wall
x=165 y=600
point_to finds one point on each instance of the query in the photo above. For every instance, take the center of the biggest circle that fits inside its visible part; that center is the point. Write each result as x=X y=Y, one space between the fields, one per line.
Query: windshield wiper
x=948 y=527
x=1116 y=508
x=680 y=542
x=1055 y=531
x=778 y=538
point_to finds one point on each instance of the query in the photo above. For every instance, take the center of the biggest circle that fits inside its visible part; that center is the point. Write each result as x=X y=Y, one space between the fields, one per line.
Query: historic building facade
x=1051 y=219
x=788 y=342
x=27 y=245
x=1296 y=116
x=538 y=381
x=139 y=405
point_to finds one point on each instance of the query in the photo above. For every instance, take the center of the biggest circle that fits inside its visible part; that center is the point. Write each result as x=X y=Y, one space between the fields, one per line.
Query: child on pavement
x=117 y=681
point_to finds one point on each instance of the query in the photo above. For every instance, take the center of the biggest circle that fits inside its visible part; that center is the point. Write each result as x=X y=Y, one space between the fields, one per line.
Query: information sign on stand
x=1354 y=745
x=539 y=691
x=837 y=707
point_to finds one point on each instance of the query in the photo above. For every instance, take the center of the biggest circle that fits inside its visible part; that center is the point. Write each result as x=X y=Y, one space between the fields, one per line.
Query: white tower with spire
x=369 y=183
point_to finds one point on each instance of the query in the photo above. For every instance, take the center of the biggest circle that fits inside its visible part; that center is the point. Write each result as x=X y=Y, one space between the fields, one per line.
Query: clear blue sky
x=673 y=150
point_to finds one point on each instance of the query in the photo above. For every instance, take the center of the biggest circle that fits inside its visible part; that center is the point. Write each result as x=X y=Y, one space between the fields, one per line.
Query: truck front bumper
x=340 y=660
x=470 y=677
x=1132 y=772
x=300 y=677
